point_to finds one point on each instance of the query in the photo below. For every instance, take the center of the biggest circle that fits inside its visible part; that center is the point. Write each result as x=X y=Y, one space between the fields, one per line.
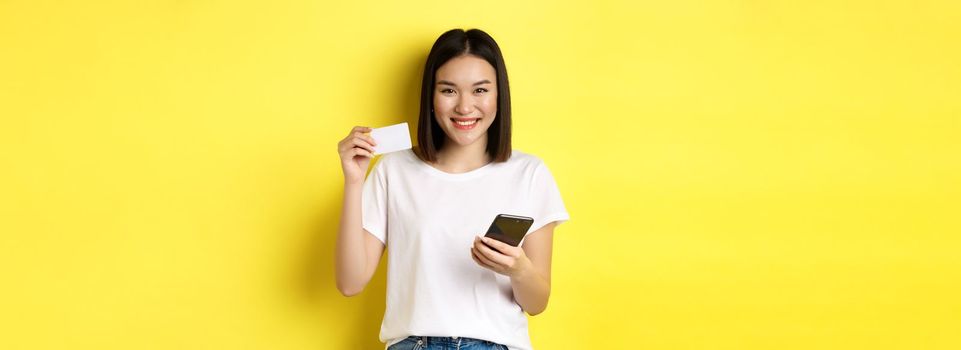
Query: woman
x=430 y=203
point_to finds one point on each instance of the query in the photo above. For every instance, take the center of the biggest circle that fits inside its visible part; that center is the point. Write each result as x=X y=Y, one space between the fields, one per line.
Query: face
x=465 y=98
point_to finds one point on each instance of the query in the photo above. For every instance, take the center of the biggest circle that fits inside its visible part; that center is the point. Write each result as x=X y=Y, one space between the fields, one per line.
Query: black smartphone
x=509 y=229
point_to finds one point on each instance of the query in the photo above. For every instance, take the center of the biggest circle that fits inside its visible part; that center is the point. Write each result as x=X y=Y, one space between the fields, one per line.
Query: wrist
x=524 y=271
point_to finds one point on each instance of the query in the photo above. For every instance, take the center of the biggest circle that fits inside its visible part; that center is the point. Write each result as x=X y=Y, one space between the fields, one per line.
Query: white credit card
x=391 y=138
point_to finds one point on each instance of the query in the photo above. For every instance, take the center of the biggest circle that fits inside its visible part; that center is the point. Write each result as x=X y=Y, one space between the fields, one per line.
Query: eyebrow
x=445 y=82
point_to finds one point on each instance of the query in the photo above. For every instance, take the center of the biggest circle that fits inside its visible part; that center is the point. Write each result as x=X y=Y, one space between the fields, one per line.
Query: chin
x=463 y=141
x=462 y=138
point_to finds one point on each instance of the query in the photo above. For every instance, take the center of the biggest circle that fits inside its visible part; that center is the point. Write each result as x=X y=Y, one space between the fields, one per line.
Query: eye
x=480 y=90
x=447 y=91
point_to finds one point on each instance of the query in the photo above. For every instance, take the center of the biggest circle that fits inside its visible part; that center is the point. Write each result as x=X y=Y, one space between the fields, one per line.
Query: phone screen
x=509 y=229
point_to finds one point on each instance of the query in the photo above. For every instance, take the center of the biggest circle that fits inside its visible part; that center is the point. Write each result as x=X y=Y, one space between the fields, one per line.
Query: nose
x=464 y=105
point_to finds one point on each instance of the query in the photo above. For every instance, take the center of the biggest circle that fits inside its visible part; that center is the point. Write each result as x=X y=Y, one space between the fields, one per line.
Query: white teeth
x=467 y=123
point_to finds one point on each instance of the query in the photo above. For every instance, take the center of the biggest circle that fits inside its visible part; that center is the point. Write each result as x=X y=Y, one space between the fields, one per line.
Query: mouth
x=465 y=123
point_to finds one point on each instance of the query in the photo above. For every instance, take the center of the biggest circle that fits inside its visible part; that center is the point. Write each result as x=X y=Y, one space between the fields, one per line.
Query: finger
x=473 y=255
x=491 y=254
x=364 y=136
x=351 y=140
x=485 y=261
x=360 y=129
x=362 y=144
x=347 y=151
x=498 y=246
x=493 y=264
x=362 y=152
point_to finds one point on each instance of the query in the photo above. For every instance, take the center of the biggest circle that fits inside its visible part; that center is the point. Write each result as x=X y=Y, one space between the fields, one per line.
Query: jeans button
x=420 y=342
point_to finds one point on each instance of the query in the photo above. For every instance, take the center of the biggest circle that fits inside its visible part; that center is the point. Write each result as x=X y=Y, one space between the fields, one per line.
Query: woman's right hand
x=356 y=150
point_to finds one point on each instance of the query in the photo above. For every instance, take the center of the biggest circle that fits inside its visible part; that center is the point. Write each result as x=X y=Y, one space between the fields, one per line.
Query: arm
x=529 y=266
x=358 y=252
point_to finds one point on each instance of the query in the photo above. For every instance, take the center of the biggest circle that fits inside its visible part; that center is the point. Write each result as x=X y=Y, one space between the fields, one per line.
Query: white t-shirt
x=428 y=219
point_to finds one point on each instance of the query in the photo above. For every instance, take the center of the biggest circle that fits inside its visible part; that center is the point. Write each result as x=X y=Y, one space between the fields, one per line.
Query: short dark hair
x=454 y=43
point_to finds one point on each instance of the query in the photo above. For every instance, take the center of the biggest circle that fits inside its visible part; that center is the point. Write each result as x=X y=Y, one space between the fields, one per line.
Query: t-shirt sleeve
x=548 y=206
x=374 y=203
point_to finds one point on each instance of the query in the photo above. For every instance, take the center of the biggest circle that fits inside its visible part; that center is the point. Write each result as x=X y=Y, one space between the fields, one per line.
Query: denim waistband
x=462 y=341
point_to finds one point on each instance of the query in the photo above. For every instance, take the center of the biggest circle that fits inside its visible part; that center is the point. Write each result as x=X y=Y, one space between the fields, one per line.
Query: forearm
x=350 y=255
x=531 y=290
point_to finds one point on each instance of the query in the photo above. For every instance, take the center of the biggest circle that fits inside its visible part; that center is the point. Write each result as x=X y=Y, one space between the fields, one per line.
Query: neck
x=454 y=158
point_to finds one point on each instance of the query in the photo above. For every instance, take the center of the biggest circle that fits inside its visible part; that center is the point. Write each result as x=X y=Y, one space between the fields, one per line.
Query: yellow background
x=740 y=174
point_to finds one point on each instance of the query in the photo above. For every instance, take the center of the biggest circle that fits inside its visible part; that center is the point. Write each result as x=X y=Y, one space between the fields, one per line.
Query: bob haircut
x=451 y=44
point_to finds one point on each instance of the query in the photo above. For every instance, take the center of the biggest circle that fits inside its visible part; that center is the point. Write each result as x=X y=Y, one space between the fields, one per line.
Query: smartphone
x=509 y=229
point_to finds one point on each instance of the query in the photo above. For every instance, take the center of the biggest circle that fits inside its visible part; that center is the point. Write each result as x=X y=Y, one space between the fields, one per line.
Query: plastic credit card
x=391 y=138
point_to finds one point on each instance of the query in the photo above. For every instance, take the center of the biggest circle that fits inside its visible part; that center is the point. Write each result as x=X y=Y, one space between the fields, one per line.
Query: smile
x=465 y=124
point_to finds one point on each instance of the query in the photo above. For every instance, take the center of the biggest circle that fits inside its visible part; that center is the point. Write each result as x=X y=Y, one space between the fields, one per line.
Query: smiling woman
x=464 y=105
x=446 y=285
x=465 y=82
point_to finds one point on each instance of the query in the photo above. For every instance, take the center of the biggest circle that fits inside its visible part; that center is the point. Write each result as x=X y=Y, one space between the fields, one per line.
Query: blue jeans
x=445 y=343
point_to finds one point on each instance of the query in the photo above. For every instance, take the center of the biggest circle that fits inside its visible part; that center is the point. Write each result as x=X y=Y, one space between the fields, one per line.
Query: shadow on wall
x=315 y=280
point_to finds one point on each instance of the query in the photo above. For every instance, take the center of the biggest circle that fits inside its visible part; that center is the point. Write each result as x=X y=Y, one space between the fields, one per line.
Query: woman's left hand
x=499 y=257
